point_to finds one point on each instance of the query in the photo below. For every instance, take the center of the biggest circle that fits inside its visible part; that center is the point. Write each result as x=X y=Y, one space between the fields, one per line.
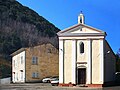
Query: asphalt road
x=47 y=86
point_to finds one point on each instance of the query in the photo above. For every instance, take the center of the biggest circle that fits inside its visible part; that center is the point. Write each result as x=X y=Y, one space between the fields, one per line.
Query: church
x=85 y=57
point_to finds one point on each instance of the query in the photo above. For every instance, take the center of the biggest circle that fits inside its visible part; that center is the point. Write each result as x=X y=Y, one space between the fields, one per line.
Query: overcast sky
x=101 y=14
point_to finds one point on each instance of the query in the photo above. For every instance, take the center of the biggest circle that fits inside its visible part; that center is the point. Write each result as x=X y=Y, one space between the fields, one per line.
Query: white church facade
x=85 y=57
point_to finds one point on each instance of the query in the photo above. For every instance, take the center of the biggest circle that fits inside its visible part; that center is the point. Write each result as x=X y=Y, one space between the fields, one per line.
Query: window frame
x=21 y=75
x=14 y=63
x=35 y=60
x=21 y=59
x=81 y=46
x=35 y=75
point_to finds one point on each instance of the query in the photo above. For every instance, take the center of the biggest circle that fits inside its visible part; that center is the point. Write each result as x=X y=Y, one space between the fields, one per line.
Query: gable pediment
x=80 y=30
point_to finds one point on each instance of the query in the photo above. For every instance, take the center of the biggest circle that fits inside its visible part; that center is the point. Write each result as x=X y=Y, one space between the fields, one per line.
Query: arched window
x=81 y=47
x=80 y=19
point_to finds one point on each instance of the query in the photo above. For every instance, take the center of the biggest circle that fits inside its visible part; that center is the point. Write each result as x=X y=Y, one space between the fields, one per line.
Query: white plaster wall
x=96 y=62
x=85 y=58
x=61 y=61
x=17 y=66
x=93 y=56
x=82 y=57
x=67 y=61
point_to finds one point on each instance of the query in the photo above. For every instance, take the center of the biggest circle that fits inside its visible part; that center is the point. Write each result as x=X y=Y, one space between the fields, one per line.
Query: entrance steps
x=81 y=85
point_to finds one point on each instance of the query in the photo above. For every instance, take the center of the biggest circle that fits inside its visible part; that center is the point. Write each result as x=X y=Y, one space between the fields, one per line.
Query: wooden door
x=81 y=75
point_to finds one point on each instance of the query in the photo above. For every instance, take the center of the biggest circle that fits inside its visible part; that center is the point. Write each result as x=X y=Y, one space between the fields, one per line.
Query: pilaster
x=101 y=61
x=73 y=62
x=89 y=64
x=61 y=61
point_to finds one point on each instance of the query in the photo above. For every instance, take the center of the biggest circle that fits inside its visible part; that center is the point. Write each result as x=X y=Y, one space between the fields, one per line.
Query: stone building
x=34 y=63
x=85 y=57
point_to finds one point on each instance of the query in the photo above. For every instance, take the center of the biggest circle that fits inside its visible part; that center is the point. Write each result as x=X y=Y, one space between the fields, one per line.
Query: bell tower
x=81 y=18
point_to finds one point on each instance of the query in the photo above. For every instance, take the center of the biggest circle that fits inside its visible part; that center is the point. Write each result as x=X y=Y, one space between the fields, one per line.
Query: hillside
x=5 y=68
x=23 y=27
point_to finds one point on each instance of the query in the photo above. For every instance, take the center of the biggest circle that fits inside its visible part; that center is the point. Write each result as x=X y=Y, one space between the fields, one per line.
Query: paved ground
x=46 y=86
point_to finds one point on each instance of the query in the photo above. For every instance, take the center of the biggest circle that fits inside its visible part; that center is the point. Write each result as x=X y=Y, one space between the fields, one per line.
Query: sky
x=100 y=14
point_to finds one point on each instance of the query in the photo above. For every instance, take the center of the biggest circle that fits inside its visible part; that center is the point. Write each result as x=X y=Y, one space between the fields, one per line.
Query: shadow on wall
x=117 y=77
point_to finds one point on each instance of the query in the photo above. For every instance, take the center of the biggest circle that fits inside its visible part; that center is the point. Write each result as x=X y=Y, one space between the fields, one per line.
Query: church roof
x=66 y=32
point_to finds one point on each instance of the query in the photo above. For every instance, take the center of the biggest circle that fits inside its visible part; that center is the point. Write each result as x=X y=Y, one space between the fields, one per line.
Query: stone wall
x=48 y=64
x=5 y=80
